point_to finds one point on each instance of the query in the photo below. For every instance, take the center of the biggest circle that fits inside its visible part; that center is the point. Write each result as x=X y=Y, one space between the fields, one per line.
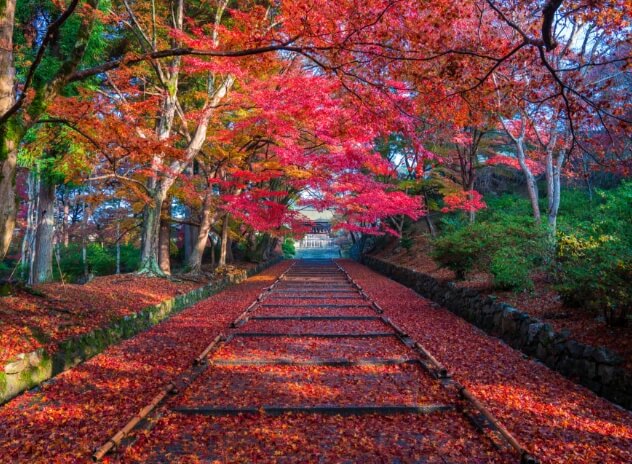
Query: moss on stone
x=76 y=350
x=3 y=383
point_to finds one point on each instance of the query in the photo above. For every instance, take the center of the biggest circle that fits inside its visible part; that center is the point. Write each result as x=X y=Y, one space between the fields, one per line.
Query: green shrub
x=461 y=250
x=288 y=248
x=594 y=256
x=510 y=249
x=595 y=274
x=452 y=222
x=511 y=269
x=591 y=259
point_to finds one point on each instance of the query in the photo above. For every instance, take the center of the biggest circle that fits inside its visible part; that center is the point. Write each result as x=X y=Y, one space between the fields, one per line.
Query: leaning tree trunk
x=532 y=187
x=194 y=262
x=44 y=237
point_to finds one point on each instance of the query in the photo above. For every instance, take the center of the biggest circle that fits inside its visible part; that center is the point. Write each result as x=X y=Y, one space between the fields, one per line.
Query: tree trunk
x=194 y=263
x=150 y=237
x=273 y=246
x=44 y=237
x=164 y=239
x=8 y=137
x=259 y=248
x=212 y=253
x=66 y=223
x=532 y=187
x=118 y=247
x=191 y=233
x=31 y=225
x=230 y=257
x=8 y=209
x=553 y=182
x=84 y=240
x=223 y=251
x=471 y=212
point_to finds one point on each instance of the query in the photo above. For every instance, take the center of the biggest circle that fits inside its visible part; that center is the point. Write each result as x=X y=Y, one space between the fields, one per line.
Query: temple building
x=320 y=236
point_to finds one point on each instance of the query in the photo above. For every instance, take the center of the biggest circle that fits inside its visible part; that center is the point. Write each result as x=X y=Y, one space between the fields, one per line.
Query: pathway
x=315 y=373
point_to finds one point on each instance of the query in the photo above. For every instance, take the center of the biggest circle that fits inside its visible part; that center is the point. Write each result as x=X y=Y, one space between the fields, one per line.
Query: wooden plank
x=317 y=362
x=315 y=318
x=316 y=335
x=326 y=305
x=303 y=297
x=351 y=410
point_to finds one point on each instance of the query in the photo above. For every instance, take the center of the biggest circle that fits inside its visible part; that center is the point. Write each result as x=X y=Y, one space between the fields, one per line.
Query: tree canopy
x=237 y=112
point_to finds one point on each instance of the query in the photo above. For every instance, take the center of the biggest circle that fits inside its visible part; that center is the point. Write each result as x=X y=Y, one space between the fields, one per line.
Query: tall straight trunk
x=164 y=239
x=8 y=207
x=223 y=251
x=190 y=238
x=8 y=137
x=14 y=126
x=118 y=247
x=84 y=240
x=31 y=224
x=194 y=263
x=230 y=257
x=553 y=183
x=66 y=224
x=44 y=237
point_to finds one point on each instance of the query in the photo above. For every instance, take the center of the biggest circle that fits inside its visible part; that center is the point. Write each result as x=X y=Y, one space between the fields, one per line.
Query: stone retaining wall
x=28 y=370
x=597 y=368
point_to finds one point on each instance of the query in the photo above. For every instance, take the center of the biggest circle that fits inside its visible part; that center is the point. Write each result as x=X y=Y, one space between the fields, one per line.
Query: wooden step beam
x=351 y=410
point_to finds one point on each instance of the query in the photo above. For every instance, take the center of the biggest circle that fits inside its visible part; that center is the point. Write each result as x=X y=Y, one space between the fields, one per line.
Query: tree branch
x=181 y=51
x=548 y=15
x=52 y=33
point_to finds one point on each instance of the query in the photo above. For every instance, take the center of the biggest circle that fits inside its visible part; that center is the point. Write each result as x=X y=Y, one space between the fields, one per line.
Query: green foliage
x=130 y=257
x=101 y=260
x=288 y=248
x=509 y=248
x=504 y=206
x=30 y=15
x=407 y=242
x=460 y=249
x=591 y=259
x=453 y=222
x=511 y=270
x=594 y=258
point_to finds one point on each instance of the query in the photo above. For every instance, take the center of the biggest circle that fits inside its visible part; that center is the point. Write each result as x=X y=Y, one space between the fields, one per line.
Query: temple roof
x=318 y=216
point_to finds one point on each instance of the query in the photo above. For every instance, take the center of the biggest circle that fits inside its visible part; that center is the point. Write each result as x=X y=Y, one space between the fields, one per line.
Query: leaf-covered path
x=313 y=373
x=66 y=419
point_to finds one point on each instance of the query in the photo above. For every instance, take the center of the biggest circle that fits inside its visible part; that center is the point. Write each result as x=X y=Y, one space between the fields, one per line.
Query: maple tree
x=150 y=89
